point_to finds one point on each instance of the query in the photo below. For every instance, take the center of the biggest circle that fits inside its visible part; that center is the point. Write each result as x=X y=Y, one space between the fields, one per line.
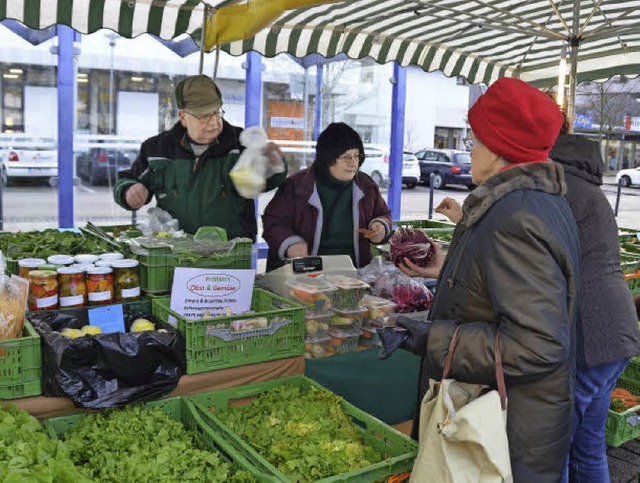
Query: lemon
x=140 y=325
x=91 y=330
x=72 y=333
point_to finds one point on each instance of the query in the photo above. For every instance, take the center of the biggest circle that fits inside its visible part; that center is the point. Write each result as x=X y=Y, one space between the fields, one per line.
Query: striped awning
x=478 y=39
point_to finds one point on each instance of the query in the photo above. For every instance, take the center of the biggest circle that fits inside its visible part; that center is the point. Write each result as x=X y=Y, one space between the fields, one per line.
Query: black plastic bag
x=108 y=370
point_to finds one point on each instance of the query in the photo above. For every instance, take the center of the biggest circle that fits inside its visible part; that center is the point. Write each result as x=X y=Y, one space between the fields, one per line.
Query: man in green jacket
x=187 y=168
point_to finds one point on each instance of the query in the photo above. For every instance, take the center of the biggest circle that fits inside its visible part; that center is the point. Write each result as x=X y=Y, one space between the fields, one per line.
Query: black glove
x=410 y=335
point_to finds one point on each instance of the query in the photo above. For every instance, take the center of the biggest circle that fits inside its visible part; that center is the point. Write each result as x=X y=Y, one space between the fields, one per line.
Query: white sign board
x=198 y=293
x=288 y=122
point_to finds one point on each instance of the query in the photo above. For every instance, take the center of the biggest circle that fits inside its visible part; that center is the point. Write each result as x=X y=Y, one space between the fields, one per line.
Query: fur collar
x=547 y=177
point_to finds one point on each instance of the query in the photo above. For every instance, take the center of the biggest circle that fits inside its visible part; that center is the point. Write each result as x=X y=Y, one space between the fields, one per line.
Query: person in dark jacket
x=329 y=209
x=187 y=168
x=607 y=325
x=512 y=269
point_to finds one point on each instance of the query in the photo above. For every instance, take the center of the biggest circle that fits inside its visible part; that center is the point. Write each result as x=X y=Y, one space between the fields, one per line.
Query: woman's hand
x=432 y=271
x=451 y=209
x=375 y=233
x=299 y=249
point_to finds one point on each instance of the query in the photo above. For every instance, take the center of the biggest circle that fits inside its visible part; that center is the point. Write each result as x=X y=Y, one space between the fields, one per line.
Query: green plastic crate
x=183 y=411
x=157 y=266
x=399 y=449
x=623 y=427
x=209 y=347
x=632 y=371
x=21 y=365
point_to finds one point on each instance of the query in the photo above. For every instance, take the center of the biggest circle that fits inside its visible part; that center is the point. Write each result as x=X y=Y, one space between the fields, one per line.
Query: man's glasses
x=206 y=118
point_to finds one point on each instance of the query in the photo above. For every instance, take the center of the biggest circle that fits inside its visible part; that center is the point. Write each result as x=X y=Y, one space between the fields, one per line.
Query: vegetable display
x=139 y=444
x=304 y=433
x=347 y=319
x=350 y=292
x=28 y=454
x=412 y=244
x=621 y=400
x=316 y=325
x=343 y=341
x=43 y=244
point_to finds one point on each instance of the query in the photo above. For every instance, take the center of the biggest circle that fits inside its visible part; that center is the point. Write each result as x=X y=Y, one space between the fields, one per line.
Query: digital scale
x=302 y=268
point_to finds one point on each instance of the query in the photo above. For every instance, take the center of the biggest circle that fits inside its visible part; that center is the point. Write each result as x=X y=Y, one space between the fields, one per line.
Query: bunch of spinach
x=42 y=244
x=141 y=444
x=28 y=454
x=304 y=432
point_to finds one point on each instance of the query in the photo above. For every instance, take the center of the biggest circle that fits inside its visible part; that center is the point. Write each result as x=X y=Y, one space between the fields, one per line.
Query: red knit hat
x=516 y=121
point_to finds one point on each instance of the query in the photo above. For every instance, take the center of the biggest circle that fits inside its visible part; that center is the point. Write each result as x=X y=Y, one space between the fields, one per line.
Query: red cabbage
x=412 y=244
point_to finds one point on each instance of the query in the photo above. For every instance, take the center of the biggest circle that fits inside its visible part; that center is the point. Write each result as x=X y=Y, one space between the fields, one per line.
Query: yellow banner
x=239 y=22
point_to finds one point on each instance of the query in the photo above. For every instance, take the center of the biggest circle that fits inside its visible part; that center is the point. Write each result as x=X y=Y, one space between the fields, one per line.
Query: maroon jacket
x=295 y=214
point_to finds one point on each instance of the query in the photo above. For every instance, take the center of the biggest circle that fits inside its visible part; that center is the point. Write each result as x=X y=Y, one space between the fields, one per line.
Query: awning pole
x=202 y=35
x=573 y=64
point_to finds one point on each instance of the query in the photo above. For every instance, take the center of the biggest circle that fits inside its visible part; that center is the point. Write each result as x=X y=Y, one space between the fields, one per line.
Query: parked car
x=104 y=157
x=628 y=177
x=376 y=165
x=28 y=157
x=449 y=166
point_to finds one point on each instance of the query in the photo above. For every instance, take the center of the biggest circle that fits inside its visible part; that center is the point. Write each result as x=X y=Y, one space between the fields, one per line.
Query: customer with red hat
x=512 y=271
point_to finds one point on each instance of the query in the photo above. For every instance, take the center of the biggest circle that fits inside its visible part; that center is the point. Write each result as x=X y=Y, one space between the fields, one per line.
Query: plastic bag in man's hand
x=250 y=173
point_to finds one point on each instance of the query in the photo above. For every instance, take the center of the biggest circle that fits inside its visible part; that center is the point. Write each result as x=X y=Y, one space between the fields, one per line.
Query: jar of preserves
x=72 y=289
x=99 y=286
x=48 y=266
x=27 y=264
x=61 y=260
x=111 y=256
x=83 y=259
x=126 y=280
x=43 y=290
x=103 y=263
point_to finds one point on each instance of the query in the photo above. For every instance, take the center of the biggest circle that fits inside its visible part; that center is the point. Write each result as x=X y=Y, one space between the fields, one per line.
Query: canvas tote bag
x=463 y=430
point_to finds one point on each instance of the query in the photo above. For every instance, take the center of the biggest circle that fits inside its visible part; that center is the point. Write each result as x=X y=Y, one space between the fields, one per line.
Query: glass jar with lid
x=83 y=258
x=43 y=290
x=72 y=288
x=61 y=260
x=111 y=256
x=126 y=280
x=99 y=286
x=27 y=264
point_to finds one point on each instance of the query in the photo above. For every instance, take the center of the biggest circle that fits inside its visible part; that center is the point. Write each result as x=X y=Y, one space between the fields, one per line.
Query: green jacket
x=197 y=192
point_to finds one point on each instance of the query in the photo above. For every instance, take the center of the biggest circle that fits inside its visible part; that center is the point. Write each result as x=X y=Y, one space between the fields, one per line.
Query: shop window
x=12 y=103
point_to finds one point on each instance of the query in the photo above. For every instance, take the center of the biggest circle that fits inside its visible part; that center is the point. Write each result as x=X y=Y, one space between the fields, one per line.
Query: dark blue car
x=449 y=166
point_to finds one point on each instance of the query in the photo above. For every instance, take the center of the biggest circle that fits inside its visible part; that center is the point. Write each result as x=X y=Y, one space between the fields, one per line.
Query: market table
x=386 y=389
x=48 y=407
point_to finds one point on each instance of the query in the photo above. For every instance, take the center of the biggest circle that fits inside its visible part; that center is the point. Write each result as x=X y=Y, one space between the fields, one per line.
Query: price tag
x=109 y=318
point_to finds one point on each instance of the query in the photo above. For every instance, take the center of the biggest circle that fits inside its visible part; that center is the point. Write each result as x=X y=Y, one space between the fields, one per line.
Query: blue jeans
x=592 y=396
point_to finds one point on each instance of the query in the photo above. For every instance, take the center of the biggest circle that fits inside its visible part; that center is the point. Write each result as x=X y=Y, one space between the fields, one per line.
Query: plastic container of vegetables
x=349 y=293
x=316 y=324
x=343 y=341
x=369 y=337
x=316 y=295
x=316 y=347
x=347 y=319
x=379 y=312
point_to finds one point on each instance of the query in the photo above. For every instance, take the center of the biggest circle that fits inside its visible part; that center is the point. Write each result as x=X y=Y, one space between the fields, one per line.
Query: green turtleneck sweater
x=337 y=221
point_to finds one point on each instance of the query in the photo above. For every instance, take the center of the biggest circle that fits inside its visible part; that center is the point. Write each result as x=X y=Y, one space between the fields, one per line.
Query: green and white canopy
x=478 y=39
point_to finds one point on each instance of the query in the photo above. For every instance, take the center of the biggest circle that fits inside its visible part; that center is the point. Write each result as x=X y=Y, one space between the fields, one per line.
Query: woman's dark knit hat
x=334 y=141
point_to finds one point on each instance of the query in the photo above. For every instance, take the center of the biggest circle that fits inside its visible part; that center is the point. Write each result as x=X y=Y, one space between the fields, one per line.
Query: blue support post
x=317 y=124
x=253 y=101
x=398 y=102
x=66 y=111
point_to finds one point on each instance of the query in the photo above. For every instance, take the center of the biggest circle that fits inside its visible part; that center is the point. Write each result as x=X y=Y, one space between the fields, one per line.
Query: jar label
x=128 y=293
x=47 y=302
x=99 y=296
x=71 y=300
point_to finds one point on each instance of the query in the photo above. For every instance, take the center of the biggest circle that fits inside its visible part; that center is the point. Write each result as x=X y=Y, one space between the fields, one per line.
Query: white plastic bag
x=250 y=173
